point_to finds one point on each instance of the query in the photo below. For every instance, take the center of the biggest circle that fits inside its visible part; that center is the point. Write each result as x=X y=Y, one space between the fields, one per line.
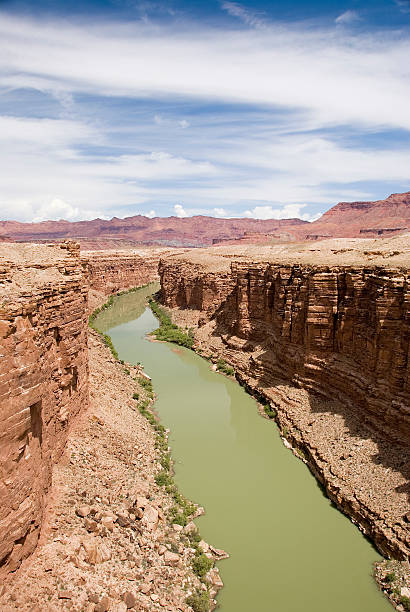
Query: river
x=290 y=549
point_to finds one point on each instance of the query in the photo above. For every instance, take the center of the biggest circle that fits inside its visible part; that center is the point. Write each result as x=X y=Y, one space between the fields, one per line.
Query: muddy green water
x=290 y=549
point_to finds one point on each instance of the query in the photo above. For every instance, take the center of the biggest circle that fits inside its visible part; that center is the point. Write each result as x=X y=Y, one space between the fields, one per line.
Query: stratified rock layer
x=43 y=381
x=111 y=271
x=328 y=346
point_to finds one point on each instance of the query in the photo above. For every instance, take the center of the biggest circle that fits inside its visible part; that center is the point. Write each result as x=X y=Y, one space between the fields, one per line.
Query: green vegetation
x=199 y=601
x=301 y=453
x=201 y=564
x=183 y=509
x=163 y=478
x=223 y=367
x=405 y=601
x=146 y=383
x=269 y=411
x=168 y=331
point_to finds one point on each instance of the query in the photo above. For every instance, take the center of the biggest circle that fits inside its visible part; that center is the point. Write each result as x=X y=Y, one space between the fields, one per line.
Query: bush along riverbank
x=184 y=541
x=168 y=331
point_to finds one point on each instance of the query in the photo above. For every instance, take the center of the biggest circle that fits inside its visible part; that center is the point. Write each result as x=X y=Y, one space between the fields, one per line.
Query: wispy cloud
x=404 y=5
x=347 y=17
x=245 y=15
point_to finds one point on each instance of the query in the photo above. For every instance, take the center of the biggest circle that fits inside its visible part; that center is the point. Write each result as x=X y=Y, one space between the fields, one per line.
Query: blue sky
x=269 y=109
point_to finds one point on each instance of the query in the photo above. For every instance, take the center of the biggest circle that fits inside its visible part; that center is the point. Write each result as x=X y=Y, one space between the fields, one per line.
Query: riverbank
x=109 y=542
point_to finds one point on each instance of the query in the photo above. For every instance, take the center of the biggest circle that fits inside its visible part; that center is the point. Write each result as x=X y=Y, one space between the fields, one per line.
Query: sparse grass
x=269 y=411
x=223 y=367
x=301 y=453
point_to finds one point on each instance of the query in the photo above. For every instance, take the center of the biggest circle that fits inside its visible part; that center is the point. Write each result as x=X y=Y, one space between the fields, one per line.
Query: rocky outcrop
x=328 y=347
x=44 y=381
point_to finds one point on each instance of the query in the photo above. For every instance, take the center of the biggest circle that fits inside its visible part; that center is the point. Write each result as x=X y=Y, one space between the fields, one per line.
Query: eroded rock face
x=110 y=271
x=44 y=381
x=341 y=332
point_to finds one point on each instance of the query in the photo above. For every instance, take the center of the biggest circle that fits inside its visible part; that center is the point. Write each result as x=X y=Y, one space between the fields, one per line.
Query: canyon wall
x=43 y=381
x=335 y=341
x=341 y=332
x=111 y=271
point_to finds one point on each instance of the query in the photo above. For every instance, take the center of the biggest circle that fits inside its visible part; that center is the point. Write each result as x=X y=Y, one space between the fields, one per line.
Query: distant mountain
x=361 y=219
x=189 y=231
x=346 y=219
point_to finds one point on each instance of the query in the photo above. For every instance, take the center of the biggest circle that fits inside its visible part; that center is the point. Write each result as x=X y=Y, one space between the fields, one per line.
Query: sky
x=266 y=109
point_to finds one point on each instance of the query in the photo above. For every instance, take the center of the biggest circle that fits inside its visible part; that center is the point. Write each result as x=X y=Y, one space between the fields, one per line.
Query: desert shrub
x=199 y=601
x=269 y=411
x=201 y=564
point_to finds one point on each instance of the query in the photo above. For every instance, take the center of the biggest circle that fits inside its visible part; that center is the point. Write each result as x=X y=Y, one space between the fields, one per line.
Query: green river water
x=290 y=549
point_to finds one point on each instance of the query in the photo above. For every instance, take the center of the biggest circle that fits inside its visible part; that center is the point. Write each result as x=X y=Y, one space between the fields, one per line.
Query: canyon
x=319 y=331
x=323 y=336
x=386 y=217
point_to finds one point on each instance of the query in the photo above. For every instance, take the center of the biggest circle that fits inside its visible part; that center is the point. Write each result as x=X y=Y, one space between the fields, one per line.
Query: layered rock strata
x=328 y=347
x=111 y=271
x=44 y=381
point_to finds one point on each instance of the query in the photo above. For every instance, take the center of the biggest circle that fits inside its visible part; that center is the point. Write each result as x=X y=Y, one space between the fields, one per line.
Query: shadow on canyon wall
x=275 y=367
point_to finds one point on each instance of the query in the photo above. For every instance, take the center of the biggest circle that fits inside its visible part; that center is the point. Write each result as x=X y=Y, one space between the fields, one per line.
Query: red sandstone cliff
x=44 y=381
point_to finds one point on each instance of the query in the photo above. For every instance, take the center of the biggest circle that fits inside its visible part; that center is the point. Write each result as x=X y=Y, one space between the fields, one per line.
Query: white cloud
x=180 y=211
x=151 y=214
x=184 y=123
x=219 y=212
x=347 y=17
x=289 y=211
